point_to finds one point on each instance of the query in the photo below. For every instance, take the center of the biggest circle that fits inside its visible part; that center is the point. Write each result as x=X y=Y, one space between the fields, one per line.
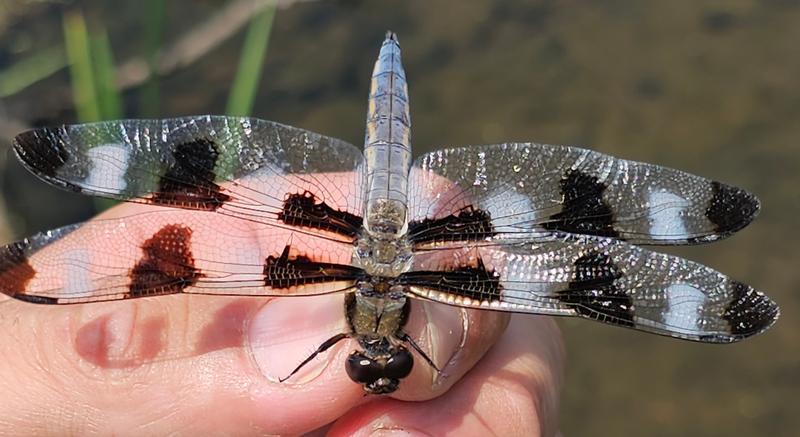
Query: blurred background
x=711 y=87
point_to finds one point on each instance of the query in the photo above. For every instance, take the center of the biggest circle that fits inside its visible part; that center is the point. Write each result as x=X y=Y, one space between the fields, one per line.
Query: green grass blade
x=108 y=96
x=245 y=84
x=80 y=67
x=32 y=69
x=153 y=17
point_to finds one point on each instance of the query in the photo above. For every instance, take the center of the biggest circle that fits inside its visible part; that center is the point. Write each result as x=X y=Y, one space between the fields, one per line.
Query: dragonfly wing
x=154 y=250
x=519 y=189
x=597 y=278
x=252 y=169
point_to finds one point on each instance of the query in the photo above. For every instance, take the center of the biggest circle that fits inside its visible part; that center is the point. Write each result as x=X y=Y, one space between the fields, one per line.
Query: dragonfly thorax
x=386 y=218
x=383 y=257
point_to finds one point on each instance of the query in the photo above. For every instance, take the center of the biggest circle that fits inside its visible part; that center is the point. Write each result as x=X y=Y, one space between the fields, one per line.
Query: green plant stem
x=80 y=66
x=251 y=61
x=109 y=99
x=32 y=69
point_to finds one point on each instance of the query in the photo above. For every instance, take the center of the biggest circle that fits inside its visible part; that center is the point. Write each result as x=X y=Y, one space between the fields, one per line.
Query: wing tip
x=731 y=208
x=42 y=150
x=15 y=269
x=751 y=312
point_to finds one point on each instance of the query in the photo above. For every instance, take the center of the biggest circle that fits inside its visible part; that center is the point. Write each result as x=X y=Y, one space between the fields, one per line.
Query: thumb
x=191 y=363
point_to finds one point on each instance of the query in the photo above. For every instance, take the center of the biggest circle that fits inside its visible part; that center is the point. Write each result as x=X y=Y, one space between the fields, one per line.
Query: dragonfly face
x=380 y=370
x=376 y=313
x=516 y=227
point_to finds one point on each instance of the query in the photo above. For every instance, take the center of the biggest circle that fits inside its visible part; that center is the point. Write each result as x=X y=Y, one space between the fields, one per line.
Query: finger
x=169 y=363
x=514 y=390
x=197 y=362
x=454 y=338
x=191 y=363
x=165 y=365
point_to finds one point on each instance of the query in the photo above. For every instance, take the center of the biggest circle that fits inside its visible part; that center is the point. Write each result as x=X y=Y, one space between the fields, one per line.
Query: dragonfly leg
x=407 y=338
x=322 y=348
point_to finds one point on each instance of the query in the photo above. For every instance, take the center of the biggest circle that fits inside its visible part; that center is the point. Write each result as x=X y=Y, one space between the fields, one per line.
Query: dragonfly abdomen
x=387 y=146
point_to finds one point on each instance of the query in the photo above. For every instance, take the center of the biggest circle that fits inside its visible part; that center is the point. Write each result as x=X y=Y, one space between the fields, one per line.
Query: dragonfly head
x=380 y=367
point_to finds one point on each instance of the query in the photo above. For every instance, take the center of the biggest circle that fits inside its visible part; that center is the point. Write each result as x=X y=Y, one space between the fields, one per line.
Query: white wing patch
x=684 y=301
x=109 y=164
x=666 y=215
x=512 y=212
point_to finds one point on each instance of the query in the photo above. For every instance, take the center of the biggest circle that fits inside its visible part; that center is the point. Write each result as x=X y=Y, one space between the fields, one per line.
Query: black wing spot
x=593 y=294
x=730 y=208
x=15 y=270
x=44 y=150
x=467 y=224
x=305 y=210
x=167 y=266
x=475 y=282
x=42 y=300
x=749 y=311
x=594 y=269
x=584 y=210
x=285 y=272
x=189 y=181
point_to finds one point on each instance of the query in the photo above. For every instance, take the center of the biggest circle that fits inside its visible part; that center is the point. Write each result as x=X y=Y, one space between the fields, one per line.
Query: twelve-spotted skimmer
x=280 y=211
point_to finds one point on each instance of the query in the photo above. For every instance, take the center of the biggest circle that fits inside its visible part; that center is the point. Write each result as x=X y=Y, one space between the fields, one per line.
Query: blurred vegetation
x=707 y=86
x=35 y=67
x=81 y=68
x=109 y=100
x=93 y=74
x=248 y=75
x=90 y=58
x=153 y=16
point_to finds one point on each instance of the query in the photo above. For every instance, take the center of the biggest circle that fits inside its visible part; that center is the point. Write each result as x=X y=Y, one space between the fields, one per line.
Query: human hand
x=198 y=365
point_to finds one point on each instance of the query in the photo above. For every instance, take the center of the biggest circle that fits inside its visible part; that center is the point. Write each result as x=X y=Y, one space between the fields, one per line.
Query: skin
x=200 y=364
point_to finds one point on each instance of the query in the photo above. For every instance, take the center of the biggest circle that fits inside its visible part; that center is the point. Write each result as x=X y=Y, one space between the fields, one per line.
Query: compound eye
x=363 y=369
x=399 y=365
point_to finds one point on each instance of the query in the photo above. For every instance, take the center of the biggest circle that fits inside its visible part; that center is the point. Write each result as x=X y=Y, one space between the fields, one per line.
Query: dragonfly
x=277 y=211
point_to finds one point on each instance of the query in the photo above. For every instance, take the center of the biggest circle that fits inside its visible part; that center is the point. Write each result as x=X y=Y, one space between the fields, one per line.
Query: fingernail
x=286 y=331
x=451 y=338
x=443 y=338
